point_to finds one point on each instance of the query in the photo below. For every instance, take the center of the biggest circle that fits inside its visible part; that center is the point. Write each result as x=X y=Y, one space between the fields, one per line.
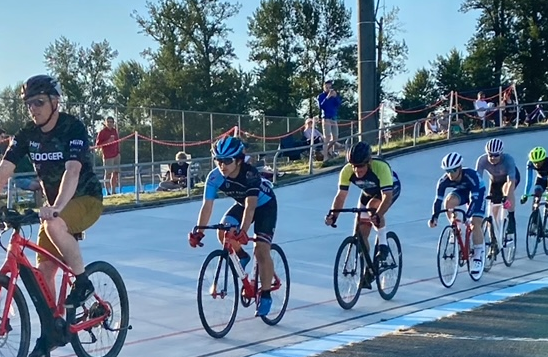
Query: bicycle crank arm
x=108 y=328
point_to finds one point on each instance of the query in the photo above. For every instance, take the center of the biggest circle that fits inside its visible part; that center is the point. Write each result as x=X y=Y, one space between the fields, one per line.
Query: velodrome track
x=150 y=249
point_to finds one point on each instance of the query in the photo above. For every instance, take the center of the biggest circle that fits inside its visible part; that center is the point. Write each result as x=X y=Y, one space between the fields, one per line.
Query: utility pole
x=367 y=67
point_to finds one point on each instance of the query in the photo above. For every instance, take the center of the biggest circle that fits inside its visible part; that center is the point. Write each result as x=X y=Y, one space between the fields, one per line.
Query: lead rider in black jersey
x=57 y=144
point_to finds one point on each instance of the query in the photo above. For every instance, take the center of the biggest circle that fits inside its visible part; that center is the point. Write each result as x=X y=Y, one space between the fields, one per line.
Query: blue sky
x=431 y=27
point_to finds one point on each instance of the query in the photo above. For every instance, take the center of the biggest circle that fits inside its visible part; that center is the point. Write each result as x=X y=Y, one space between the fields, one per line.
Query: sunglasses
x=452 y=171
x=35 y=103
x=360 y=166
x=226 y=161
x=494 y=155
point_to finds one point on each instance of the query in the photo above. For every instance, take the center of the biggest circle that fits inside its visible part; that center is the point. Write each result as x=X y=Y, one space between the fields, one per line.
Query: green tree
x=418 y=93
x=450 y=74
x=13 y=113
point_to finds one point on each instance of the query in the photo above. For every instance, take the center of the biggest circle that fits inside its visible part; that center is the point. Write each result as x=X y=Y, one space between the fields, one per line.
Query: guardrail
x=140 y=179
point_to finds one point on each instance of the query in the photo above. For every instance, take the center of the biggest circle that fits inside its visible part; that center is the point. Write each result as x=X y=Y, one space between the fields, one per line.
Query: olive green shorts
x=79 y=214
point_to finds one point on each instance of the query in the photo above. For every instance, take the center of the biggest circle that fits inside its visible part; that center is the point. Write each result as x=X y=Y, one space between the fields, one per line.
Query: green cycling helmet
x=537 y=154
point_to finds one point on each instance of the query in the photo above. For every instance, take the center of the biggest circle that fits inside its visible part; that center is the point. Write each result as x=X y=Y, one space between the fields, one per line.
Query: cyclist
x=58 y=146
x=380 y=189
x=504 y=177
x=255 y=202
x=537 y=162
x=469 y=188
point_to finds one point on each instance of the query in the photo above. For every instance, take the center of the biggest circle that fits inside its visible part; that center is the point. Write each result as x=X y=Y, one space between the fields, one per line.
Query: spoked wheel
x=448 y=257
x=217 y=294
x=533 y=234
x=16 y=341
x=544 y=237
x=491 y=245
x=508 y=245
x=110 y=299
x=389 y=271
x=279 y=290
x=347 y=273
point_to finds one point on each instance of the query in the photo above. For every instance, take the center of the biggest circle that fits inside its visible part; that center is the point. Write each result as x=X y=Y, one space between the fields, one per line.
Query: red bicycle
x=97 y=321
x=453 y=251
x=227 y=269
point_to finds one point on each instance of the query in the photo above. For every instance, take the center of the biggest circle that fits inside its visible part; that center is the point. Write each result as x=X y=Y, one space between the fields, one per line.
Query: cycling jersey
x=541 y=178
x=502 y=171
x=470 y=186
x=49 y=152
x=248 y=183
x=379 y=178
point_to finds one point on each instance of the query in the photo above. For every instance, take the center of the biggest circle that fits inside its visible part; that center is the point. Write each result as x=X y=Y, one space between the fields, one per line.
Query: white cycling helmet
x=494 y=146
x=451 y=161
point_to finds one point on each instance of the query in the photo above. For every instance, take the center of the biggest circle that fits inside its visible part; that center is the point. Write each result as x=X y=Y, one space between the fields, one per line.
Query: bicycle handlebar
x=220 y=226
x=351 y=210
x=10 y=218
x=451 y=210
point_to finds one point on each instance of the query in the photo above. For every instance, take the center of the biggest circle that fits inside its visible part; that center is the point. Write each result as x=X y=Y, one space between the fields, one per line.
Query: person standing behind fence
x=329 y=102
x=111 y=154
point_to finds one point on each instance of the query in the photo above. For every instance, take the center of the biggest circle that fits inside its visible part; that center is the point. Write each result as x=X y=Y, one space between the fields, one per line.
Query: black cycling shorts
x=396 y=190
x=264 y=219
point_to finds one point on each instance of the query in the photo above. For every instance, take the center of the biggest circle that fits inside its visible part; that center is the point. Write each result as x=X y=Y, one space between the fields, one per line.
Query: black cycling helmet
x=359 y=153
x=41 y=84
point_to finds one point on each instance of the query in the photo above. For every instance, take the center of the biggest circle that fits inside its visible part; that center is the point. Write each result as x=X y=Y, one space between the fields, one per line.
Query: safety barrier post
x=517 y=104
x=451 y=99
x=137 y=176
x=500 y=107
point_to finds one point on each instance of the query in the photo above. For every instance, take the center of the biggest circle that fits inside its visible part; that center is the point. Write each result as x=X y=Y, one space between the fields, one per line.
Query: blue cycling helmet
x=227 y=147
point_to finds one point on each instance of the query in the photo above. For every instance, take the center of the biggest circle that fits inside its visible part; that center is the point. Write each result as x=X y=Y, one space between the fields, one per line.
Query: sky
x=432 y=27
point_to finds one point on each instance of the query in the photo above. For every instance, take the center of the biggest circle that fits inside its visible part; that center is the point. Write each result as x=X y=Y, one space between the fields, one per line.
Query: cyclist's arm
x=78 y=146
x=528 y=178
x=386 y=182
x=510 y=168
x=344 y=185
x=477 y=193
x=252 y=196
x=205 y=213
x=480 y=165
x=213 y=181
x=440 y=192
x=16 y=150
x=6 y=171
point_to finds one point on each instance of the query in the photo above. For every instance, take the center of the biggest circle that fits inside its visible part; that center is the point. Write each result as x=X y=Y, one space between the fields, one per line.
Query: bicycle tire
x=442 y=255
x=533 y=226
x=490 y=243
x=23 y=309
x=224 y=261
x=397 y=260
x=544 y=236
x=286 y=287
x=358 y=270
x=123 y=325
x=508 y=254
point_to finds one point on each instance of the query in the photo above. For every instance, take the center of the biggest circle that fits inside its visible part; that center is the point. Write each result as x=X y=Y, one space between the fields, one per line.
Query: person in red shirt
x=107 y=140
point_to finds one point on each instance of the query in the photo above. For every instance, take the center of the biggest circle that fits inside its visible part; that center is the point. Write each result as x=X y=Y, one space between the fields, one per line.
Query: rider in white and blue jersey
x=504 y=177
x=468 y=188
x=255 y=203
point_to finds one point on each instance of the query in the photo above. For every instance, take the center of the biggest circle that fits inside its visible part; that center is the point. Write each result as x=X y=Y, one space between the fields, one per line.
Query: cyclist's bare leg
x=364 y=225
x=451 y=201
x=48 y=270
x=57 y=230
x=508 y=191
x=266 y=266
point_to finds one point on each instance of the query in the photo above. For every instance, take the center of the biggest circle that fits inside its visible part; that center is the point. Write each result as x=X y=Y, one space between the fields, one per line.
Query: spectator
x=4 y=141
x=509 y=110
x=483 y=108
x=329 y=102
x=311 y=132
x=431 y=124
x=447 y=121
x=107 y=140
x=177 y=174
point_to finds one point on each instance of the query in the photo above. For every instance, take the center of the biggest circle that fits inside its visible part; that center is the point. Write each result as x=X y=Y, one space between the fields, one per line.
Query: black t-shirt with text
x=179 y=170
x=49 y=152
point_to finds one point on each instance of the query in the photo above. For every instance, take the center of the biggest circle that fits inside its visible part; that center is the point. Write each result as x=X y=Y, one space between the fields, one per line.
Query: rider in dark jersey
x=57 y=145
x=255 y=202
x=537 y=162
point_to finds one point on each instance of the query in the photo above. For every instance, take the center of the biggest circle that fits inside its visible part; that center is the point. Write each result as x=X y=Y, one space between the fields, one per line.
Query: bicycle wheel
x=214 y=287
x=533 y=234
x=107 y=338
x=389 y=271
x=280 y=286
x=508 y=245
x=17 y=341
x=491 y=245
x=544 y=236
x=448 y=257
x=350 y=263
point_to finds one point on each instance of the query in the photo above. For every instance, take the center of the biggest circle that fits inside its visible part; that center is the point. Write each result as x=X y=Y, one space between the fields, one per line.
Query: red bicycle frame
x=17 y=264
x=464 y=247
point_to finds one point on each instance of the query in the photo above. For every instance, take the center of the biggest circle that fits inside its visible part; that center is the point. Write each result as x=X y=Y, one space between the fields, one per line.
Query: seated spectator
x=310 y=131
x=177 y=174
x=446 y=120
x=431 y=124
